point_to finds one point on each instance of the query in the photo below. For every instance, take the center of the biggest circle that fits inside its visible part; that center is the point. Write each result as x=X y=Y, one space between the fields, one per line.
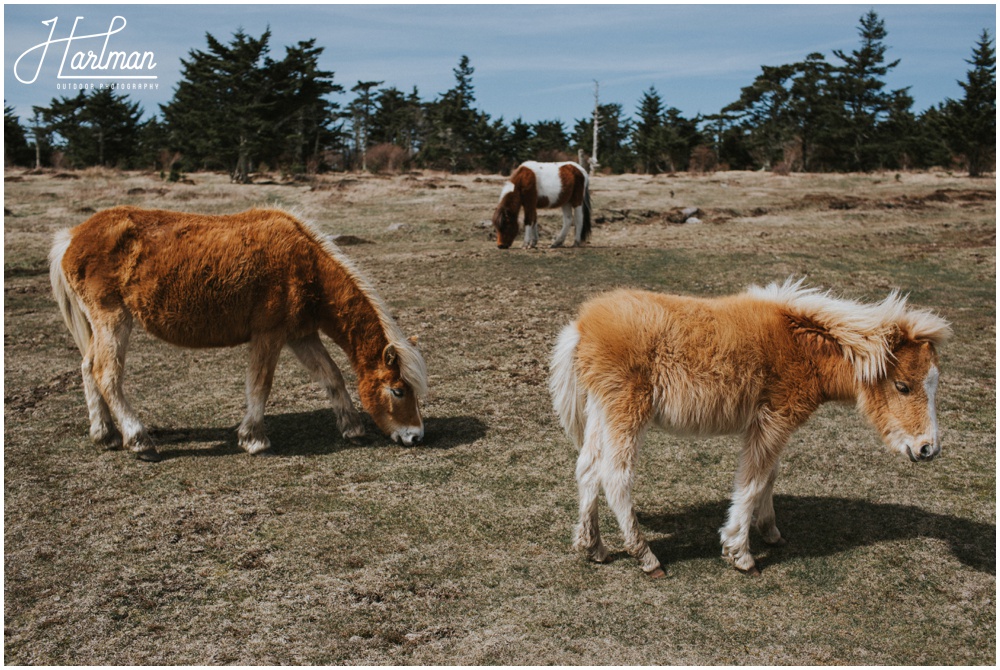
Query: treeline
x=239 y=110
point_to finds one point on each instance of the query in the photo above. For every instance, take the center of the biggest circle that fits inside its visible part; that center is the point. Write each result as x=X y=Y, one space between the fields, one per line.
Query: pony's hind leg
x=587 y=537
x=567 y=214
x=313 y=355
x=264 y=352
x=578 y=224
x=106 y=361
x=102 y=426
x=619 y=451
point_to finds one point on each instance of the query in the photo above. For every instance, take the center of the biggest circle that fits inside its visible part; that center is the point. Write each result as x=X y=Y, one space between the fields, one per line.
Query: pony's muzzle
x=408 y=437
x=928 y=451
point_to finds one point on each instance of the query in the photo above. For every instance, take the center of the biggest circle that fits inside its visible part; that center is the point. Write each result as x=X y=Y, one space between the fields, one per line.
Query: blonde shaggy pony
x=757 y=364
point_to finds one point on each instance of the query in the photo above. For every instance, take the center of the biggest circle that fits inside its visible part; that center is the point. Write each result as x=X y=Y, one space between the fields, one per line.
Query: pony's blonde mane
x=866 y=333
x=412 y=367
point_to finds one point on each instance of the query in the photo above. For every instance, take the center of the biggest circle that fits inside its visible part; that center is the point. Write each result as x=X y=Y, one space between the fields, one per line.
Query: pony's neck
x=351 y=319
x=837 y=379
x=511 y=202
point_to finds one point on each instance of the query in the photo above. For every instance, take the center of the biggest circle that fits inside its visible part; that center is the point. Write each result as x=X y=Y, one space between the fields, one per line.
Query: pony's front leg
x=758 y=460
x=264 y=352
x=530 y=235
x=313 y=355
x=567 y=213
x=764 y=514
x=530 y=226
x=105 y=361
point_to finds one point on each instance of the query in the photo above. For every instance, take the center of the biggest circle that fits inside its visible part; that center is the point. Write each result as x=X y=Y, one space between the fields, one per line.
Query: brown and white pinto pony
x=543 y=185
x=755 y=364
x=260 y=277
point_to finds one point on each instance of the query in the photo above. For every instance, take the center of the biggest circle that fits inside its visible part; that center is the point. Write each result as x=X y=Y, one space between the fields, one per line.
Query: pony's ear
x=895 y=338
x=813 y=333
x=389 y=354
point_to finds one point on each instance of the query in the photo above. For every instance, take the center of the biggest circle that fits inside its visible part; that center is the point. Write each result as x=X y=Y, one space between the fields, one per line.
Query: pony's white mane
x=865 y=332
x=412 y=367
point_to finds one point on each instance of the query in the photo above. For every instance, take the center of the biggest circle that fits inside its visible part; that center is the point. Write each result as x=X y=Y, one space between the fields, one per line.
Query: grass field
x=458 y=551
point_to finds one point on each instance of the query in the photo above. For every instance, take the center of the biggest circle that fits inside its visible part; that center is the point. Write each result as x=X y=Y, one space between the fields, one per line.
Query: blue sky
x=538 y=62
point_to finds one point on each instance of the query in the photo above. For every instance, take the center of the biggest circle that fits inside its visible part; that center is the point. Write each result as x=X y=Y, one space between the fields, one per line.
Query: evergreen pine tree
x=218 y=116
x=304 y=114
x=360 y=111
x=520 y=141
x=859 y=85
x=812 y=110
x=765 y=114
x=236 y=107
x=455 y=129
x=395 y=119
x=99 y=129
x=972 y=121
x=649 y=135
x=548 y=138
x=16 y=150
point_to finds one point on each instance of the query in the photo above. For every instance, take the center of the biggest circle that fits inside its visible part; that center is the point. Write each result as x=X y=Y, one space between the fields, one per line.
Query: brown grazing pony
x=261 y=277
x=545 y=185
x=756 y=364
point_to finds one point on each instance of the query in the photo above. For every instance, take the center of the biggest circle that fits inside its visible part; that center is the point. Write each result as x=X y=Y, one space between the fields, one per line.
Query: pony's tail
x=567 y=400
x=585 y=234
x=67 y=299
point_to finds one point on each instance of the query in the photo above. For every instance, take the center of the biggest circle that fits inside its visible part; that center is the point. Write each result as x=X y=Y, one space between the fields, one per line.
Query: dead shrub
x=791 y=159
x=703 y=160
x=553 y=156
x=782 y=168
x=58 y=160
x=383 y=158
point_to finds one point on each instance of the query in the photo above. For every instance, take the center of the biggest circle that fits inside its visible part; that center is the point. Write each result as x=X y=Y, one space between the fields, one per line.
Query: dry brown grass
x=457 y=552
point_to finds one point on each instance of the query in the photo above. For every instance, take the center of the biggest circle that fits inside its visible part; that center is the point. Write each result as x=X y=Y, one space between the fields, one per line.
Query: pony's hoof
x=599 y=554
x=555 y=245
x=752 y=571
x=353 y=432
x=255 y=445
x=657 y=573
x=780 y=542
x=109 y=441
x=148 y=456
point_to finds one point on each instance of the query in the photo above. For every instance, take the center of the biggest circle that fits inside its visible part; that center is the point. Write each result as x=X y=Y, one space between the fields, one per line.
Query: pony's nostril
x=415 y=440
x=926 y=451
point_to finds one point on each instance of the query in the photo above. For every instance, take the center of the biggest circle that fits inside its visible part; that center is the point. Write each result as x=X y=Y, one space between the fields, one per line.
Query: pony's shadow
x=818 y=526
x=309 y=434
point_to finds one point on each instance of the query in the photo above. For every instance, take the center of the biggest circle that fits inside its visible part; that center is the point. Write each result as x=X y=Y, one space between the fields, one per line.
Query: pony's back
x=166 y=267
x=696 y=365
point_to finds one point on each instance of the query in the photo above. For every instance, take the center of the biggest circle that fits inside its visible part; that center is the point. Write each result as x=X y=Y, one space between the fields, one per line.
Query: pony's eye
x=902 y=388
x=397 y=392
